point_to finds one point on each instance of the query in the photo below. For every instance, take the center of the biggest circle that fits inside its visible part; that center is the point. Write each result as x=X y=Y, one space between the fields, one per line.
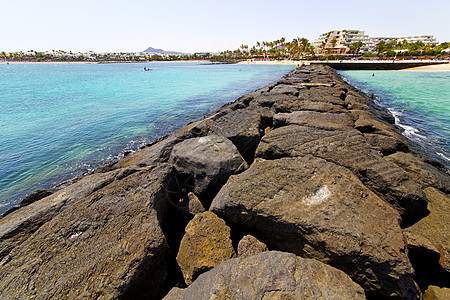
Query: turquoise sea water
x=420 y=101
x=58 y=121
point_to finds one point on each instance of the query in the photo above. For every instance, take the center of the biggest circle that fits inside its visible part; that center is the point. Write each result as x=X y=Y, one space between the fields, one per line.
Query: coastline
x=437 y=68
x=329 y=109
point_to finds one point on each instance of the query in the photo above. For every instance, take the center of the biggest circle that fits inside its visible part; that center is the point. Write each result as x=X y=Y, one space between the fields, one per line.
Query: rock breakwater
x=302 y=189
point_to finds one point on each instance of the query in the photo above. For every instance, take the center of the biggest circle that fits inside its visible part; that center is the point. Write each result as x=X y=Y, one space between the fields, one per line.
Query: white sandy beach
x=436 y=68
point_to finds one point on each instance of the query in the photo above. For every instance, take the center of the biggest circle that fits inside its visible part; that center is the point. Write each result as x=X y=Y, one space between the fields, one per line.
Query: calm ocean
x=420 y=101
x=58 y=121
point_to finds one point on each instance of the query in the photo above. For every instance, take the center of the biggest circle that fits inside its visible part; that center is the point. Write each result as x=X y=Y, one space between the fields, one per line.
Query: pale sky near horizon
x=200 y=25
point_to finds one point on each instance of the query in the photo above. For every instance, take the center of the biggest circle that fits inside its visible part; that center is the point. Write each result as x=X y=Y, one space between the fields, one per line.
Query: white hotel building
x=339 y=41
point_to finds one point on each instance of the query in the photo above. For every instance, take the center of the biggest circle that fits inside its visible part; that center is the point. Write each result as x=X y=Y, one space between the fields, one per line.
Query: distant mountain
x=161 y=51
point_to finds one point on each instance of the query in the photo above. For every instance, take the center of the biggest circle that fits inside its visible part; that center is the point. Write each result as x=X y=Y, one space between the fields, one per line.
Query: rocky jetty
x=302 y=189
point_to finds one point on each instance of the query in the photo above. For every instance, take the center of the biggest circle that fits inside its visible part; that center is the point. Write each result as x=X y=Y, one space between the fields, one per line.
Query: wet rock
x=420 y=171
x=436 y=293
x=350 y=149
x=271 y=275
x=210 y=160
x=319 y=210
x=249 y=245
x=327 y=121
x=33 y=197
x=206 y=244
x=106 y=245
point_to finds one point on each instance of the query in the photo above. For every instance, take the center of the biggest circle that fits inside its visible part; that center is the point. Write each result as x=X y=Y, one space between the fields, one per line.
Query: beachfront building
x=339 y=41
x=426 y=39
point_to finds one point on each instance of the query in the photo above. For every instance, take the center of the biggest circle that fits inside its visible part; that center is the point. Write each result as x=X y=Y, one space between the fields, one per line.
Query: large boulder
x=206 y=244
x=244 y=128
x=319 y=120
x=107 y=245
x=270 y=275
x=420 y=171
x=350 y=149
x=210 y=160
x=317 y=209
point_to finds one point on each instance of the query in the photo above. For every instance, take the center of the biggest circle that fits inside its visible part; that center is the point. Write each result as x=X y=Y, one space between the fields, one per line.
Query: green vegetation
x=298 y=48
x=409 y=50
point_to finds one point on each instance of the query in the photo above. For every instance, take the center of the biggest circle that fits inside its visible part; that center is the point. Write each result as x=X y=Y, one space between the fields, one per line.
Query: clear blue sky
x=200 y=25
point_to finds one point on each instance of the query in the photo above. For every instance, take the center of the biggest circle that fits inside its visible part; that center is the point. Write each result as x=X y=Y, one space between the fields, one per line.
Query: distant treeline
x=298 y=48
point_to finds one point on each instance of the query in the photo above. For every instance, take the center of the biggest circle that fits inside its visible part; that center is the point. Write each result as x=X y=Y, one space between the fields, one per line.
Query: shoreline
x=311 y=125
x=438 y=66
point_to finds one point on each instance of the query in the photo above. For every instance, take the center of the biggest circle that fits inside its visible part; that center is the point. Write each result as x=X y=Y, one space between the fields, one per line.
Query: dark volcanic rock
x=386 y=144
x=19 y=225
x=322 y=94
x=107 y=245
x=33 y=197
x=210 y=160
x=206 y=244
x=350 y=149
x=327 y=121
x=150 y=155
x=270 y=275
x=319 y=210
x=420 y=171
x=244 y=128
x=285 y=89
x=432 y=234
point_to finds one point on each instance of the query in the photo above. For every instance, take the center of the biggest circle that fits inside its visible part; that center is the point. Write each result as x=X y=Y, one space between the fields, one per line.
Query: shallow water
x=420 y=101
x=58 y=121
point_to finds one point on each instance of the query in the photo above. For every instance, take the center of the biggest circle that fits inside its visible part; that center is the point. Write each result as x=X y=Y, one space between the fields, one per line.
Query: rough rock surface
x=243 y=127
x=206 y=244
x=436 y=293
x=210 y=160
x=250 y=245
x=194 y=205
x=107 y=245
x=349 y=149
x=271 y=275
x=420 y=171
x=432 y=233
x=319 y=210
x=21 y=224
x=336 y=156
x=328 y=121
